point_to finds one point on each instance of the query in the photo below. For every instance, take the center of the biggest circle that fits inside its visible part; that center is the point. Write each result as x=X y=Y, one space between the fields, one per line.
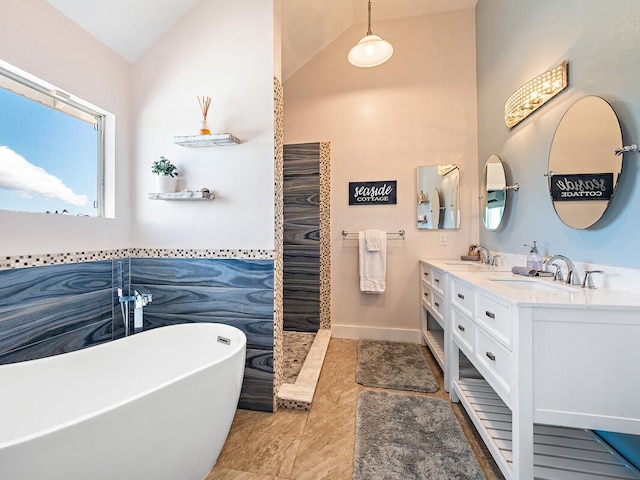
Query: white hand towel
x=373 y=265
x=373 y=239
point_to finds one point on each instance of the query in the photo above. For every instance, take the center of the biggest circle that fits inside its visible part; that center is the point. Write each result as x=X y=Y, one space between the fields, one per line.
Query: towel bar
x=400 y=233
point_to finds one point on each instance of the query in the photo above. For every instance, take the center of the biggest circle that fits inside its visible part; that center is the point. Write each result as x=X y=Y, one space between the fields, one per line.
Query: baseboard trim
x=375 y=333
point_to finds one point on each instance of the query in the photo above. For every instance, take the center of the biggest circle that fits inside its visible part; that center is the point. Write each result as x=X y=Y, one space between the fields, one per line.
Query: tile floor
x=316 y=444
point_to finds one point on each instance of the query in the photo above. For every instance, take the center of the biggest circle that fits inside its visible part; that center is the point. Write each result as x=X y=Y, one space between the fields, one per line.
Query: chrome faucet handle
x=143 y=298
x=557 y=276
x=495 y=261
x=588 y=281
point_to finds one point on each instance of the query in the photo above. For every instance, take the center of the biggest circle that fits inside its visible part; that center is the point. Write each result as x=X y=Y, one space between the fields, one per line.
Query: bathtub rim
x=115 y=405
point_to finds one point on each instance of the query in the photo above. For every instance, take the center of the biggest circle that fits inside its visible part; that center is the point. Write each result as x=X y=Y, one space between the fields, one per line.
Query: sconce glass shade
x=370 y=51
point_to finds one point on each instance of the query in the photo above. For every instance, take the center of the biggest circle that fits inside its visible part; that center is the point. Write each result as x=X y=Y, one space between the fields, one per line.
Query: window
x=51 y=148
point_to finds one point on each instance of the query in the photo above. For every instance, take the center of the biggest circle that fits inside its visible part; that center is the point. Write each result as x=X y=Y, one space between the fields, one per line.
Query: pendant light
x=371 y=51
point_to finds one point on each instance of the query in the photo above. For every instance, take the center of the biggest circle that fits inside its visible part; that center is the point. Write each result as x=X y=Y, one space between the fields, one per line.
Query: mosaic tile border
x=260 y=254
x=38 y=260
x=278 y=274
x=293 y=404
x=325 y=235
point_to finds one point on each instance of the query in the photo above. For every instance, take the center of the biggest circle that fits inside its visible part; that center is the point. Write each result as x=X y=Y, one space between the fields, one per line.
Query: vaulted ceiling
x=130 y=27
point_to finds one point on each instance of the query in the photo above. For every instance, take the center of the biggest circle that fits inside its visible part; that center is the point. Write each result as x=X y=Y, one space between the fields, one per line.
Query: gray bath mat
x=410 y=437
x=400 y=366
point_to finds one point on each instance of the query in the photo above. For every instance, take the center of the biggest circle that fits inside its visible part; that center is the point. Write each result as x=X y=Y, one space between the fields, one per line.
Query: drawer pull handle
x=490 y=314
x=437 y=280
x=461 y=328
x=436 y=304
x=426 y=294
x=461 y=296
x=426 y=274
x=491 y=356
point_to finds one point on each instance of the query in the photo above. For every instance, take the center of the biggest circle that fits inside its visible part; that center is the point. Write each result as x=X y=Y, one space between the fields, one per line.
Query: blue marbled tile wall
x=236 y=292
x=301 y=276
x=55 y=309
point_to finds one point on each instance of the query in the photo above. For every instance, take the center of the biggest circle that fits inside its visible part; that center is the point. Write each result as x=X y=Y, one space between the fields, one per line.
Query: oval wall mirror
x=493 y=193
x=583 y=167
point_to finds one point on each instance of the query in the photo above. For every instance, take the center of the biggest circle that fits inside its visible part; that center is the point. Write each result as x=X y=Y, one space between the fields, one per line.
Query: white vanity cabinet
x=554 y=366
x=432 y=328
x=436 y=291
x=555 y=361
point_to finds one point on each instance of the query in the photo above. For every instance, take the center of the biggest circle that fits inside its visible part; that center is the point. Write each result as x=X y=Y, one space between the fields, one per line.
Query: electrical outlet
x=443 y=239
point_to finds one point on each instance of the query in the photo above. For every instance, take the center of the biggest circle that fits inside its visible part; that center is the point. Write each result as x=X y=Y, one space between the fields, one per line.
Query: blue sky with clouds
x=48 y=159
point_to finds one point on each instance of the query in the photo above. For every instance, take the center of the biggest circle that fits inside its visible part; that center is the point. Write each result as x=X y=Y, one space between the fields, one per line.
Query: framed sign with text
x=373 y=193
x=582 y=186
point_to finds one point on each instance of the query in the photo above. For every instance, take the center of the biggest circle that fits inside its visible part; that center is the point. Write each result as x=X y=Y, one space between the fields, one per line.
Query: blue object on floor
x=625 y=444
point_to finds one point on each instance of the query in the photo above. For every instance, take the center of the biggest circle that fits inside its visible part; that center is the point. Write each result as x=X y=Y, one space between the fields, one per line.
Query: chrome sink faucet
x=487 y=257
x=573 y=277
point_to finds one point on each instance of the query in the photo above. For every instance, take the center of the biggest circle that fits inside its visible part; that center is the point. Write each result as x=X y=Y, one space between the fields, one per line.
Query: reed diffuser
x=205 y=103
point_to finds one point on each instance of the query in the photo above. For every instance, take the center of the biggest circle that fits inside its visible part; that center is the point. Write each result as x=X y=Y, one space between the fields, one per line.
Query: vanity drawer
x=425 y=294
x=462 y=296
x=424 y=272
x=495 y=317
x=463 y=329
x=437 y=279
x=437 y=306
x=496 y=359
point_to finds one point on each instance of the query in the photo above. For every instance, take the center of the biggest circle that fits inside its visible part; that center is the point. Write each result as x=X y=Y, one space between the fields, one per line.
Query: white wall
x=224 y=50
x=518 y=40
x=417 y=109
x=40 y=40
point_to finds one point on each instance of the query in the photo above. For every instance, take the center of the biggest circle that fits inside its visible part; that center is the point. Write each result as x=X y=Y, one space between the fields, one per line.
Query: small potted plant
x=166 y=171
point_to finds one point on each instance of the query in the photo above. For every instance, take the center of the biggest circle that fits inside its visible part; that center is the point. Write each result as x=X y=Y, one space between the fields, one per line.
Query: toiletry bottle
x=534 y=261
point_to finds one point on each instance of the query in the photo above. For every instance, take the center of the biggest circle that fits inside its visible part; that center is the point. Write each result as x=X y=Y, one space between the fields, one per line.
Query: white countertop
x=535 y=291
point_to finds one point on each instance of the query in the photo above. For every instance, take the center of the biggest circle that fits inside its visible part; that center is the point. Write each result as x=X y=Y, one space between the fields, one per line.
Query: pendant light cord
x=369 y=32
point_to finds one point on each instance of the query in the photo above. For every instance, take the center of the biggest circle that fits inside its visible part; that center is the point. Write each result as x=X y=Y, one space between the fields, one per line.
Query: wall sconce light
x=535 y=93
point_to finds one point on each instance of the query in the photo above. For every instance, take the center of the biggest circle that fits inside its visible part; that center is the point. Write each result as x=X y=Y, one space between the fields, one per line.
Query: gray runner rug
x=408 y=437
x=400 y=366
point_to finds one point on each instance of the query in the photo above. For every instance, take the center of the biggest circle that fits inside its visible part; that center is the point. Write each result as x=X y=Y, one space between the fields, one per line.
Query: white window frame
x=38 y=90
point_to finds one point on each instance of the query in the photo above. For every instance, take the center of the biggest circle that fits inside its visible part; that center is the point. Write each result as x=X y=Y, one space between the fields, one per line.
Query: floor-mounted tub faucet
x=140 y=301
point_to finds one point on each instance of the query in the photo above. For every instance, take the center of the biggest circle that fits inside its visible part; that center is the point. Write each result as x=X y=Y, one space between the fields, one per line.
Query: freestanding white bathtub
x=156 y=405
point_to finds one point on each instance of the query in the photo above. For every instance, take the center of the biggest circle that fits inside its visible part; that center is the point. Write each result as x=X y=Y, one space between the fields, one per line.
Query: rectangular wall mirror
x=438 y=197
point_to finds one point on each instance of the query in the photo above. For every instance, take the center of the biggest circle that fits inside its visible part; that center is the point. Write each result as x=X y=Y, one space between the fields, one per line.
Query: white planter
x=166 y=184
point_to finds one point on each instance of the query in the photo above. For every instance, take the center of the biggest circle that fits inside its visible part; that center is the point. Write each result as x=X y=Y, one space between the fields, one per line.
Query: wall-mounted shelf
x=182 y=196
x=198 y=141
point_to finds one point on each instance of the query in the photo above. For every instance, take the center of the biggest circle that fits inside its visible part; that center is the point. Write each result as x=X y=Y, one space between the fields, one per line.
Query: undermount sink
x=467 y=263
x=530 y=284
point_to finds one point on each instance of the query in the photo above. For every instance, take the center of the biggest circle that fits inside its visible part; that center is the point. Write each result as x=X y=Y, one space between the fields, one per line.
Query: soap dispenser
x=534 y=261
